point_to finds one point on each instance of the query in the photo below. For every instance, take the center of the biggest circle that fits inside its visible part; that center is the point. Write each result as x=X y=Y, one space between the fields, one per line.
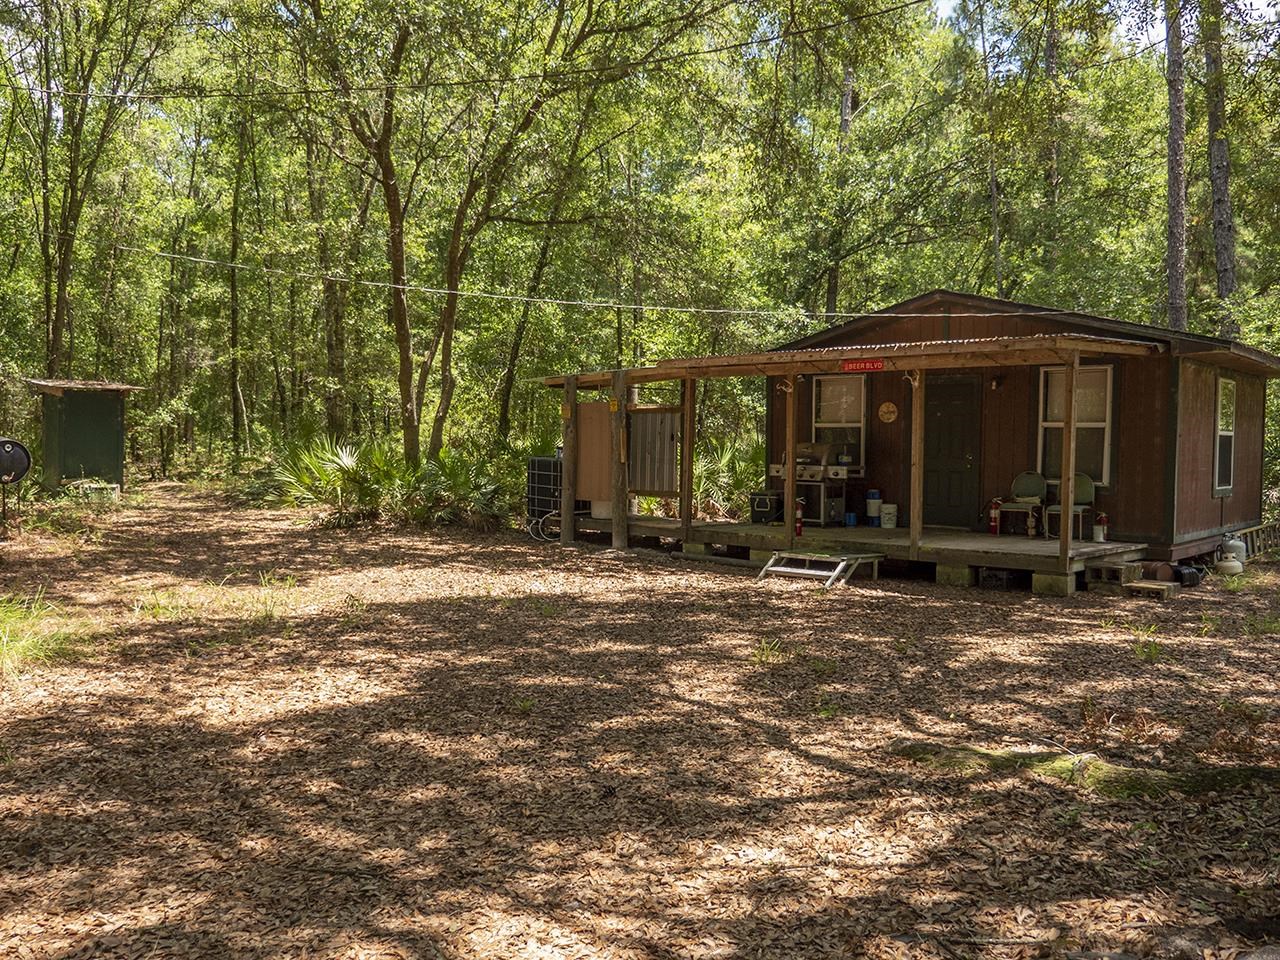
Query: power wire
x=555 y=301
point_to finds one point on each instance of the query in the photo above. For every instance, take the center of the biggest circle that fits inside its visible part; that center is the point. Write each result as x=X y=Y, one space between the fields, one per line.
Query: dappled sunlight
x=536 y=751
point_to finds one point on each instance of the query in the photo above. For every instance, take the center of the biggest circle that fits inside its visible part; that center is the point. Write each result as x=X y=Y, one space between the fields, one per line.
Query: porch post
x=789 y=384
x=1067 y=486
x=688 y=404
x=569 y=461
x=917 y=461
x=618 y=424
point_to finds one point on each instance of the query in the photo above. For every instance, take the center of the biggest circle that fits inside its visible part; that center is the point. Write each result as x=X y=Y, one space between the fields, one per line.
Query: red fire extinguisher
x=799 y=516
x=993 y=516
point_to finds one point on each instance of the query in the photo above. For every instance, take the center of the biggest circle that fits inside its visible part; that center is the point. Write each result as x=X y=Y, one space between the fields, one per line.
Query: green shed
x=83 y=430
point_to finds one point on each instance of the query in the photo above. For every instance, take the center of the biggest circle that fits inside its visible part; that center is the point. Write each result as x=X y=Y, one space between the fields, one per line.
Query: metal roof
x=930 y=354
x=60 y=386
x=1230 y=353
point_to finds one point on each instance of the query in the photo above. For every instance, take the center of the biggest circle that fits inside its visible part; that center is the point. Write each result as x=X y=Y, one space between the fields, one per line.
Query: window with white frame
x=1093 y=422
x=1225 y=448
x=839 y=415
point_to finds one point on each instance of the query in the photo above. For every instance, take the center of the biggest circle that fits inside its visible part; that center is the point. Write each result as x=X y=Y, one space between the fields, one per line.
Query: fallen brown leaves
x=379 y=743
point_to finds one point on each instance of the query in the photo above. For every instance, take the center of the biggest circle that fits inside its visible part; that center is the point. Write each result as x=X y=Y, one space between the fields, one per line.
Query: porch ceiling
x=920 y=355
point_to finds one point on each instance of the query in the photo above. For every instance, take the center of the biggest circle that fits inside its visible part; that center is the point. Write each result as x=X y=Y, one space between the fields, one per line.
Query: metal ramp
x=830 y=568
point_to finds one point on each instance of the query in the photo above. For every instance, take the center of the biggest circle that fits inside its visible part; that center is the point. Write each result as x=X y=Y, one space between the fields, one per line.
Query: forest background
x=378 y=223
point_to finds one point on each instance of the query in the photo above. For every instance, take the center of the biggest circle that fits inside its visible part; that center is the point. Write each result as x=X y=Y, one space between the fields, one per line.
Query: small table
x=1032 y=510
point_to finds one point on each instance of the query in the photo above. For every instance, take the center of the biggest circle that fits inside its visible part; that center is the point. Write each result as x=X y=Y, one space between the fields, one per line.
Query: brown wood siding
x=1200 y=511
x=1135 y=500
x=595 y=444
x=1008 y=427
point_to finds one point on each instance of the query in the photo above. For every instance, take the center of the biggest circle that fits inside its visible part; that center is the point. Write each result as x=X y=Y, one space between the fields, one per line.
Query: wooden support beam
x=917 y=461
x=619 y=469
x=654 y=408
x=689 y=400
x=569 y=461
x=790 y=384
x=1067 y=486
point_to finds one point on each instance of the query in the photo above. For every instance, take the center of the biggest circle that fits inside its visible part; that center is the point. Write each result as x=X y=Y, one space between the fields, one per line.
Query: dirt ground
x=293 y=742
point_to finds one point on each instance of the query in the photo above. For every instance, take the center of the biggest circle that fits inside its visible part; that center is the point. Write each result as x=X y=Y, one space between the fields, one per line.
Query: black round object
x=15 y=460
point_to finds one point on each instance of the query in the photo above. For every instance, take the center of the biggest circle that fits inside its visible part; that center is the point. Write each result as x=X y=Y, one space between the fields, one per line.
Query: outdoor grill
x=811 y=462
x=815 y=462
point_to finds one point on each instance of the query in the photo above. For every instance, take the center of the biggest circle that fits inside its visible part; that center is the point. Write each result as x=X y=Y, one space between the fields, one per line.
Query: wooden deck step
x=801 y=572
x=1157 y=589
x=832 y=568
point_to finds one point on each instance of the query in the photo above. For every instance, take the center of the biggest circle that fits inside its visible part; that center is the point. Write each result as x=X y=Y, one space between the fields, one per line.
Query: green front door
x=952 y=442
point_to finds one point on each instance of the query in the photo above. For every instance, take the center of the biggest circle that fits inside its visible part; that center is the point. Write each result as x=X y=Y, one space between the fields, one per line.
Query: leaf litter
x=293 y=742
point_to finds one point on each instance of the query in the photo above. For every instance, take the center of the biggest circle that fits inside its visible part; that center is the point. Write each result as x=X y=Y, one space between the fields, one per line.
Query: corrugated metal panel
x=653 y=453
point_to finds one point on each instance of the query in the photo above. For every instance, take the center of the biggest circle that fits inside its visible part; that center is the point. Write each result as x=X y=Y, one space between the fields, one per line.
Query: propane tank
x=1235 y=549
x=993 y=516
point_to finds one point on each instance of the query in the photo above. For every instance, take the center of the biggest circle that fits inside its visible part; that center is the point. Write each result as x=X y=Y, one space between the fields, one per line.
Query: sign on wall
x=861 y=366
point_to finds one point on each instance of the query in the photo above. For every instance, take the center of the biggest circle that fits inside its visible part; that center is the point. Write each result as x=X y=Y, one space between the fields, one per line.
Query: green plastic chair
x=1085 y=493
x=1026 y=484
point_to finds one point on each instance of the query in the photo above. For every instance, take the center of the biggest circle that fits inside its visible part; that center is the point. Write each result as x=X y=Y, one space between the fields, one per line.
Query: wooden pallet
x=830 y=568
x=1156 y=589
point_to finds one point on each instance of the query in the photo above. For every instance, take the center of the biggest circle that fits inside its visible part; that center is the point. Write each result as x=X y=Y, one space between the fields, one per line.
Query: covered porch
x=1054 y=563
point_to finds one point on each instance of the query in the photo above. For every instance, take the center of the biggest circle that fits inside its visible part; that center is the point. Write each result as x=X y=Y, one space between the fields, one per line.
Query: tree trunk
x=400 y=306
x=842 y=146
x=1224 y=226
x=237 y=400
x=993 y=182
x=1176 y=239
x=1052 y=178
x=507 y=385
x=46 y=210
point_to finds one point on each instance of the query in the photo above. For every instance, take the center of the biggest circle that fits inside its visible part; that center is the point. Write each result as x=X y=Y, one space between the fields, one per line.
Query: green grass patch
x=1237 y=582
x=768 y=651
x=1085 y=770
x=31 y=633
x=1262 y=625
x=1149 y=651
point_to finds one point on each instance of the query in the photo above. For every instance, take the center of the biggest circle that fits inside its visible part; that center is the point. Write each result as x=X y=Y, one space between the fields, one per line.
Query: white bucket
x=888 y=515
x=602 y=509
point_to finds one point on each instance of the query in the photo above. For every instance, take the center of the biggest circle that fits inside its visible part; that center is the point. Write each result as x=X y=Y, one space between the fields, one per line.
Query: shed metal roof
x=58 y=387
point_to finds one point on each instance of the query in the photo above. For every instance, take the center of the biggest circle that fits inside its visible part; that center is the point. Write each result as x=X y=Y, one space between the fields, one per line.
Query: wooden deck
x=937 y=545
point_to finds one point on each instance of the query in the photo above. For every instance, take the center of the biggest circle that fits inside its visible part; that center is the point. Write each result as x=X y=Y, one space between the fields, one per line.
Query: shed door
x=952 y=446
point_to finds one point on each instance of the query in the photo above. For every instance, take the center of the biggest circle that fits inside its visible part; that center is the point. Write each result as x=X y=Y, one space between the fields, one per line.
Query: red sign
x=861 y=366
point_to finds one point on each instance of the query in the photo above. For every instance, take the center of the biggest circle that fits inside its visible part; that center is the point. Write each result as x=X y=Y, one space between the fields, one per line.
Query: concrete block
x=1054 y=584
x=698 y=548
x=955 y=575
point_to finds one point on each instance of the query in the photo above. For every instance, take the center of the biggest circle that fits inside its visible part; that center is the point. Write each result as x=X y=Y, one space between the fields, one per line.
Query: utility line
x=558 y=302
x=474 y=81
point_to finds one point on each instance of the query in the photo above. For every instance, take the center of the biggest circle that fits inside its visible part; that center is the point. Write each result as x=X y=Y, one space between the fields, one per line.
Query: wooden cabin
x=1171 y=438
x=939 y=403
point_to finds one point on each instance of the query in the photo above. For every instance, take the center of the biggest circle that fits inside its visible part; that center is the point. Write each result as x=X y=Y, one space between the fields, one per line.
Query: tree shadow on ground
x=592 y=759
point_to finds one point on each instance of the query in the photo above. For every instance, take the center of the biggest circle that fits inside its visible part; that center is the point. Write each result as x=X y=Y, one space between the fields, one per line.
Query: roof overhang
x=1233 y=356
x=871 y=358
x=58 y=387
